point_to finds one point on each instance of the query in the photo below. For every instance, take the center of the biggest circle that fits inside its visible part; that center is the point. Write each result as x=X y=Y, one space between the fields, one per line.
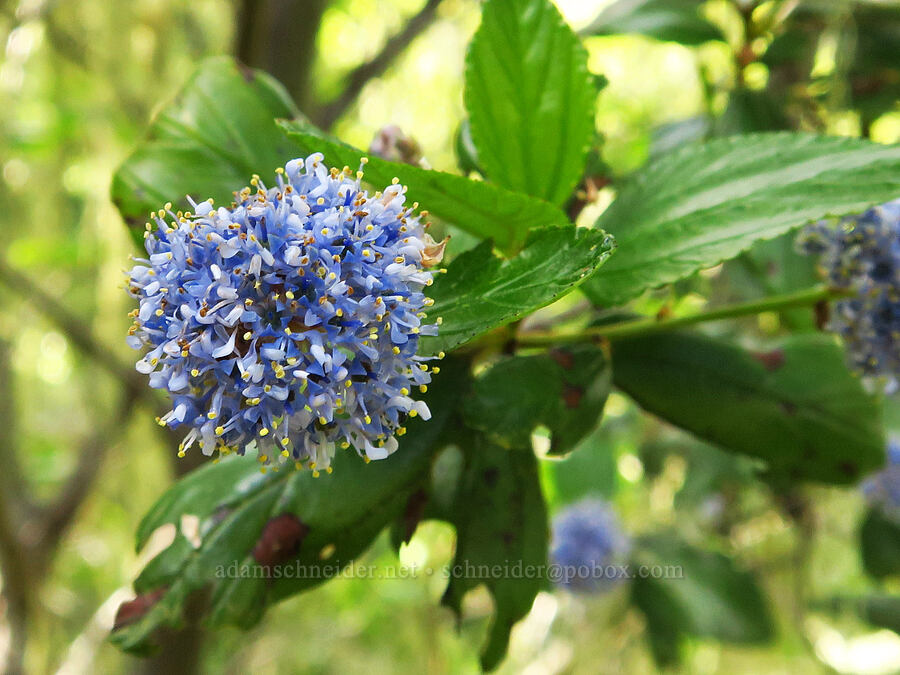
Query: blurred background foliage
x=82 y=459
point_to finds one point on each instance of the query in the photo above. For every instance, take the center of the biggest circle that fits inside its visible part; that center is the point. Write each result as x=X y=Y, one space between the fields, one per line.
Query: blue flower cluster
x=290 y=321
x=587 y=545
x=862 y=254
x=882 y=490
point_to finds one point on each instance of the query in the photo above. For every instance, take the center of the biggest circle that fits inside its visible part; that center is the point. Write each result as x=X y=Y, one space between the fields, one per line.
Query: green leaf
x=207 y=142
x=264 y=537
x=501 y=526
x=666 y=20
x=477 y=207
x=564 y=391
x=796 y=407
x=530 y=98
x=880 y=545
x=705 y=595
x=481 y=292
x=705 y=203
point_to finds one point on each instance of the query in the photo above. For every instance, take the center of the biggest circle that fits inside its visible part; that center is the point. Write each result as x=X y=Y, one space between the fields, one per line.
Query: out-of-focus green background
x=79 y=80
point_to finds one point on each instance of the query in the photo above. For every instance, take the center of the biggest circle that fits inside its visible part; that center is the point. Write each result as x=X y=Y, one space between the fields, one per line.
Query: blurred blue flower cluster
x=862 y=253
x=588 y=546
x=290 y=321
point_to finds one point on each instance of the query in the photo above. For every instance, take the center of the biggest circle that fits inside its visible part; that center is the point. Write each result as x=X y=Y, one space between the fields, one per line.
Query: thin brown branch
x=12 y=485
x=392 y=49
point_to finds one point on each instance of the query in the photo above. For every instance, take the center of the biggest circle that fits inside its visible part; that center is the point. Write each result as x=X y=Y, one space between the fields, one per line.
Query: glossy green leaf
x=880 y=545
x=207 y=142
x=564 y=390
x=482 y=209
x=666 y=20
x=530 y=98
x=481 y=291
x=796 y=407
x=705 y=203
x=698 y=594
x=263 y=537
x=501 y=526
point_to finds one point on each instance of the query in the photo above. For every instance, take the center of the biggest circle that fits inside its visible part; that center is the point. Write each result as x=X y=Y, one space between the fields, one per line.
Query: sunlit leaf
x=530 y=98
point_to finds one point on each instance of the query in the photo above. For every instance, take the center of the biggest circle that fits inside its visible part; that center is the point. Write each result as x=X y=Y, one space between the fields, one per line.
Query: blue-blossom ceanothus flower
x=288 y=322
x=588 y=546
x=862 y=254
x=882 y=490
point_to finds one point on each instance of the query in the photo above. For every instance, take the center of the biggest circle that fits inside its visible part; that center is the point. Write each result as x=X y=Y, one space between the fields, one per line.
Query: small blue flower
x=288 y=322
x=882 y=490
x=862 y=253
x=588 y=546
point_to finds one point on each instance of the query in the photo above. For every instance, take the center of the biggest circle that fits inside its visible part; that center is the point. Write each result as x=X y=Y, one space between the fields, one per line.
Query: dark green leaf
x=703 y=204
x=501 y=526
x=880 y=545
x=481 y=292
x=207 y=142
x=264 y=537
x=667 y=20
x=530 y=98
x=564 y=391
x=796 y=407
x=477 y=207
x=705 y=595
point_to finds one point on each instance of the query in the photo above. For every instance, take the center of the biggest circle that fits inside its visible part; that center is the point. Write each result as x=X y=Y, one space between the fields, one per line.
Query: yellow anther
x=289 y=295
x=323 y=419
x=395 y=180
x=328 y=469
x=399 y=259
x=441 y=355
x=344 y=445
x=195 y=372
x=423 y=388
x=396 y=350
x=436 y=370
x=287 y=330
x=315 y=474
x=413 y=412
x=264 y=432
x=298 y=466
x=368 y=419
x=404 y=391
x=320 y=201
x=439 y=321
x=285 y=453
x=211 y=415
x=159 y=312
x=263 y=459
x=181 y=453
x=348 y=383
x=220 y=430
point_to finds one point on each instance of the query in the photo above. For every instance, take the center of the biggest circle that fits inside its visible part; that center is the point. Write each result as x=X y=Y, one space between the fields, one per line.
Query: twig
x=359 y=77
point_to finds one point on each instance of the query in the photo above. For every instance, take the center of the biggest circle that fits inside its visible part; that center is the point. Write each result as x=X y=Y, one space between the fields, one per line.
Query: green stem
x=648 y=326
